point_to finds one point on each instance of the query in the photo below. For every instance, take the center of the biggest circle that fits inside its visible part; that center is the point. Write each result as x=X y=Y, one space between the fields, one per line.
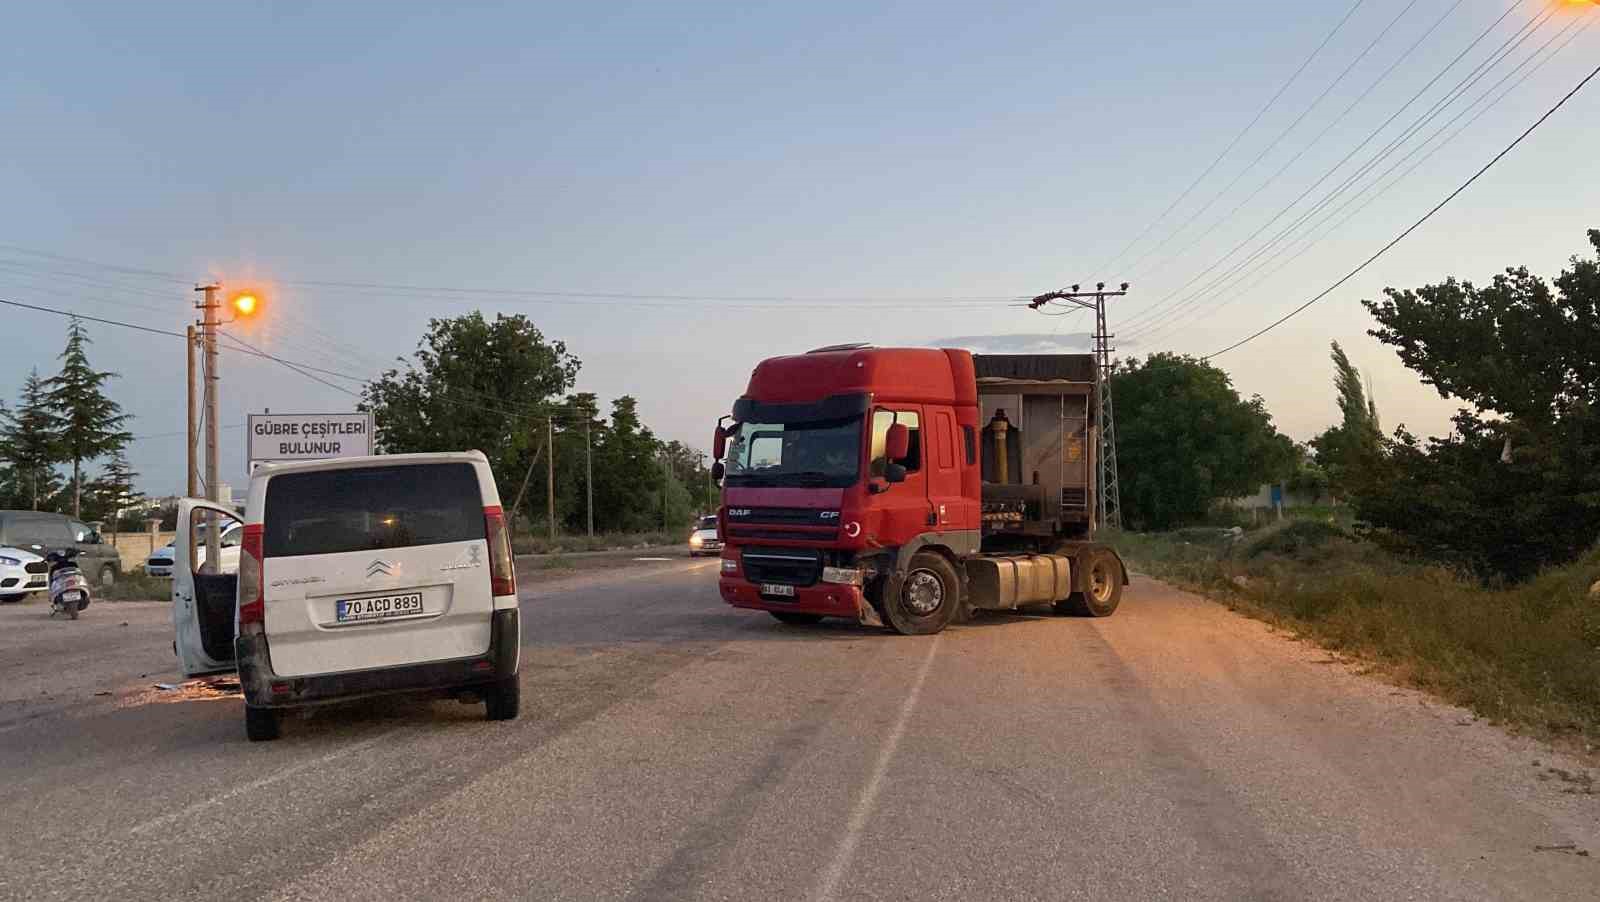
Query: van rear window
x=332 y=511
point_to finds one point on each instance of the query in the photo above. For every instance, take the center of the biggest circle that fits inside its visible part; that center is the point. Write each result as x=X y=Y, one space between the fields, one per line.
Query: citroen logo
x=380 y=567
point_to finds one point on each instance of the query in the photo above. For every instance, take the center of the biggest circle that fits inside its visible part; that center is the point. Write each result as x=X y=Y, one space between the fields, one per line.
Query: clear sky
x=919 y=151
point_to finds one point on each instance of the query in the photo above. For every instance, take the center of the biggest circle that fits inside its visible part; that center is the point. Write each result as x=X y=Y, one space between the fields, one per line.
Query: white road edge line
x=869 y=794
x=165 y=819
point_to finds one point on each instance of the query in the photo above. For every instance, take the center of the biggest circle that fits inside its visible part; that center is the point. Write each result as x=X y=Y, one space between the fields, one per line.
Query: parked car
x=705 y=539
x=160 y=562
x=21 y=572
x=41 y=533
x=360 y=576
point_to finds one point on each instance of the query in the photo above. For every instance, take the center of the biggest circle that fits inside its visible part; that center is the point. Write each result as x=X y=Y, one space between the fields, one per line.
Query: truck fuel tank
x=1010 y=581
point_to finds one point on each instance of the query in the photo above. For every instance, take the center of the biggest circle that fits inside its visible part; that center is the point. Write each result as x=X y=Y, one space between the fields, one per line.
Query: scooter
x=69 y=590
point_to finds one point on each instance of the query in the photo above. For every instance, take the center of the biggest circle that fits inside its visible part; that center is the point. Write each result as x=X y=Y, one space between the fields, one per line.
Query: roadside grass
x=1525 y=655
x=618 y=541
x=134 y=585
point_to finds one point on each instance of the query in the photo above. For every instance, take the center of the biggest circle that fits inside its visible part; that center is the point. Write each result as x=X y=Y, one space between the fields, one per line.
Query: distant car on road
x=40 y=533
x=160 y=563
x=705 y=539
x=21 y=572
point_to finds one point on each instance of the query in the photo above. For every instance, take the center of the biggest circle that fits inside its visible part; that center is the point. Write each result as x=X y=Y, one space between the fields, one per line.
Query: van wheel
x=1103 y=586
x=503 y=700
x=108 y=576
x=928 y=598
x=795 y=618
x=261 y=724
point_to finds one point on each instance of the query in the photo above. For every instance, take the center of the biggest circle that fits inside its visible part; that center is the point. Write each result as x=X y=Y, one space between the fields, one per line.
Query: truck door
x=906 y=510
x=942 y=464
x=203 y=603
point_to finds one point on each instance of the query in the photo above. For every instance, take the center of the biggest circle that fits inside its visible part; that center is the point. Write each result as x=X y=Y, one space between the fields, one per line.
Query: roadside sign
x=277 y=437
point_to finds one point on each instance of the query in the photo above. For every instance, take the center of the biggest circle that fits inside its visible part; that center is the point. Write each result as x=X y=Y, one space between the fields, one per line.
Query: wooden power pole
x=550 y=475
x=193 y=484
x=588 y=468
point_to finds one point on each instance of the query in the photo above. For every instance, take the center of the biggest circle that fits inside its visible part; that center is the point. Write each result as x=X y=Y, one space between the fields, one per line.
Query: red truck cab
x=852 y=487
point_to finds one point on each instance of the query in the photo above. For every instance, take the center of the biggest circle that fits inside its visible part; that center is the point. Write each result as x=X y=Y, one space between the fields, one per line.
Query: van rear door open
x=373 y=567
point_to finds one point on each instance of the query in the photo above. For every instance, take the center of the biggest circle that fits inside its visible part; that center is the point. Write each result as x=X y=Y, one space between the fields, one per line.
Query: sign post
x=282 y=437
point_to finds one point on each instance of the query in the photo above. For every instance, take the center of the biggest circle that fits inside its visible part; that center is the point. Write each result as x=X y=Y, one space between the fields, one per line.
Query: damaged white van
x=357 y=577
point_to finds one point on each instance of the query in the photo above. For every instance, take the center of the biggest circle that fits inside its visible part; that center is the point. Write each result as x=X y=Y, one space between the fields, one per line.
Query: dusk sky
x=871 y=172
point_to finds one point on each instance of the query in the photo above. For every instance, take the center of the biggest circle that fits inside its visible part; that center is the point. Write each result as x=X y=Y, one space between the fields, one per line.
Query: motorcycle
x=69 y=590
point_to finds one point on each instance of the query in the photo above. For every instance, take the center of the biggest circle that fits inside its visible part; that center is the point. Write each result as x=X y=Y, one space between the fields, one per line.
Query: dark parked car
x=41 y=533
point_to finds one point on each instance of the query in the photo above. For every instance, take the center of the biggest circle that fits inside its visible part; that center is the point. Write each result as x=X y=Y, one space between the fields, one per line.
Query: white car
x=705 y=539
x=359 y=576
x=22 y=572
x=161 y=562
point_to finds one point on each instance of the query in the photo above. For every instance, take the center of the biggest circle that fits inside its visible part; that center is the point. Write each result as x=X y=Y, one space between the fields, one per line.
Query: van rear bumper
x=265 y=689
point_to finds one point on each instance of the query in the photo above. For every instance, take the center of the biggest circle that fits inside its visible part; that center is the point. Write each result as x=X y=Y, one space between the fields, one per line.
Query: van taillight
x=502 y=573
x=252 y=604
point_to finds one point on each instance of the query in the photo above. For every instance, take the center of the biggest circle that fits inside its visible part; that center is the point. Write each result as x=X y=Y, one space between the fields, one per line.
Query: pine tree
x=112 y=493
x=91 y=423
x=29 y=439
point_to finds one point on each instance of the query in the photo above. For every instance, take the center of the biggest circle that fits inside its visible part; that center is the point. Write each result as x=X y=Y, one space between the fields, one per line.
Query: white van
x=358 y=577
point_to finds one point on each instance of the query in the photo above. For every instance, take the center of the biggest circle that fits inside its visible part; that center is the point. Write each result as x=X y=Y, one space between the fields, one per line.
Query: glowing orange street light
x=245 y=304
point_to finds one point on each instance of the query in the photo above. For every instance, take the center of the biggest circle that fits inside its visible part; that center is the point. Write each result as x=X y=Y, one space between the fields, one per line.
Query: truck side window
x=881 y=421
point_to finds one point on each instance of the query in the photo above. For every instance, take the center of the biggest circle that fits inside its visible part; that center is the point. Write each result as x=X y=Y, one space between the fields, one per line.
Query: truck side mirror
x=719 y=445
x=718 y=471
x=897 y=446
x=895 y=473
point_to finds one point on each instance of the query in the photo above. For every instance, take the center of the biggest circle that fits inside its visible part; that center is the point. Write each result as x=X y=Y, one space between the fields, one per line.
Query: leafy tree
x=628 y=473
x=90 y=423
x=1516 y=485
x=111 y=495
x=1186 y=440
x=1346 y=451
x=477 y=384
x=1309 y=479
x=29 y=440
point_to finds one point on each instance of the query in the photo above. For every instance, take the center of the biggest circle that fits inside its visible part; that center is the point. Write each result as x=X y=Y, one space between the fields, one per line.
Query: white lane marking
x=652 y=559
x=869 y=794
x=165 y=819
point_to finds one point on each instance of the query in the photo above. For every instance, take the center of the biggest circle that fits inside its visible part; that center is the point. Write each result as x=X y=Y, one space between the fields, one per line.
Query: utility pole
x=664 y=478
x=213 y=483
x=711 y=487
x=193 y=489
x=588 y=469
x=550 y=475
x=1108 y=502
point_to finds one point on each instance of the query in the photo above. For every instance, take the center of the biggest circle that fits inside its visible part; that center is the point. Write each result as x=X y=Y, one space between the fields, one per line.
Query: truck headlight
x=844 y=576
x=730 y=566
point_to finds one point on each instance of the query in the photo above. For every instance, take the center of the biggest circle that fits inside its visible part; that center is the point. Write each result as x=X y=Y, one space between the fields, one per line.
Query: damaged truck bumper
x=825 y=599
x=263 y=688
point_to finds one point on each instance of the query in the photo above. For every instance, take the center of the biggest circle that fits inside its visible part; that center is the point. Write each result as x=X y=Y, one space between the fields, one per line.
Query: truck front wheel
x=928 y=598
x=1102 y=583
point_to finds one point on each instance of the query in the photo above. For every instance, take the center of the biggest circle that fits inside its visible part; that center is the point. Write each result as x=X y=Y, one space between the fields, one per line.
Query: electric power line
x=1414 y=226
x=1281 y=242
x=1105 y=267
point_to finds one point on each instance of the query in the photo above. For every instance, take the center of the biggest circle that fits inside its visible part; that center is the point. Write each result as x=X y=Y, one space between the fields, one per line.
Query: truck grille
x=786 y=566
x=801 y=523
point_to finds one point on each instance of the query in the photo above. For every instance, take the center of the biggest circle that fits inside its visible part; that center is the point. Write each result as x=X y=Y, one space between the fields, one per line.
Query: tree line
x=501 y=387
x=64 y=422
x=1512 y=488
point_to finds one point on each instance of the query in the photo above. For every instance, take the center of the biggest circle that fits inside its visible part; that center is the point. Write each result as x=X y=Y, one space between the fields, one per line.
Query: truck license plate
x=382 y=607
x=775 y=589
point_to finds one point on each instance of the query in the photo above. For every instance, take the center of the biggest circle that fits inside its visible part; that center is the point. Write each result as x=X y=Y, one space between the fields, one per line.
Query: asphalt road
x=673 y=748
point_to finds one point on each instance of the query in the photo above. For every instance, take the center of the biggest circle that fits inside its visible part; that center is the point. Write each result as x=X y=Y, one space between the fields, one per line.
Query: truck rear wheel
x=795 y=618
x=1102 y=581
x=928 y=598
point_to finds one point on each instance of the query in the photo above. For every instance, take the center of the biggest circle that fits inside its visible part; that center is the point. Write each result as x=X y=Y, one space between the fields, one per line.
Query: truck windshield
x=820 y=453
